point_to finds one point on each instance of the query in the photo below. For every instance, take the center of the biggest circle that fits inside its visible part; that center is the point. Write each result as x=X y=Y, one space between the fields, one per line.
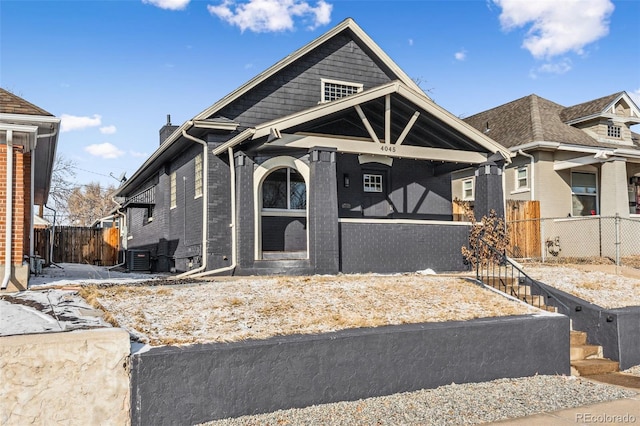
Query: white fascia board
x=535 y=145
x=575 y=162
x=627 y=152
x=246 y=134
x=204 y=124
x=22 y=128
x=453 y=121
x=24 y=118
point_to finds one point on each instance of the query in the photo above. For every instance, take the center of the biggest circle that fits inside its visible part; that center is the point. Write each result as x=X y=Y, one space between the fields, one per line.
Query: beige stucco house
x=581 y=160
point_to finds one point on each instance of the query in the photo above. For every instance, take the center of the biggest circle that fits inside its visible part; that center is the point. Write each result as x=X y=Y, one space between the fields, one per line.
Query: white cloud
x=138 y=154
x=104 y=150
x=73 y=122
x=461 y=55
x=556 y=27
x=635 y=96
x=560 y=67
x=168 y=4
x=272 y=15
x=108 y=130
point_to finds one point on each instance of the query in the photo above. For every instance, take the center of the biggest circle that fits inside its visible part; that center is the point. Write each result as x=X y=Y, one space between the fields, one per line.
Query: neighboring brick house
x=30 y=135
x=581 y=160
x=332 y=160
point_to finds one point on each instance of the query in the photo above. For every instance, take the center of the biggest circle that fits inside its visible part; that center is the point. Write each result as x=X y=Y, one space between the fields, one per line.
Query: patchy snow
x=65 y=274
x=232 y=309
x=604 y=289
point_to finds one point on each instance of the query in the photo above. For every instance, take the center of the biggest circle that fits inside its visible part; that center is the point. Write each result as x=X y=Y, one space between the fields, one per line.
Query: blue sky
x=113 y=69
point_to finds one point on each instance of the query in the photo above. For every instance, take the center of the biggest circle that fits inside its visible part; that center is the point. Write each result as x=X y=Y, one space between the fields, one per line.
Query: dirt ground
x=257 y=308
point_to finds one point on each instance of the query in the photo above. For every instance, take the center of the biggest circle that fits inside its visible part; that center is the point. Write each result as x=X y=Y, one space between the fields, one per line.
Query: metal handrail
x=497 y=270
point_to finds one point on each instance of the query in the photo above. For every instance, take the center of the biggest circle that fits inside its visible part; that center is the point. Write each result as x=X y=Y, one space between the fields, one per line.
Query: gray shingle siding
x=298 y=87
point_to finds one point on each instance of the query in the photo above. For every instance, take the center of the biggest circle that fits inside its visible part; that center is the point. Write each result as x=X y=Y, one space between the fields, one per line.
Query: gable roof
x=167 y=148
x=434 y=126
x=589 y=108
x=12 y=104
x=534 y=119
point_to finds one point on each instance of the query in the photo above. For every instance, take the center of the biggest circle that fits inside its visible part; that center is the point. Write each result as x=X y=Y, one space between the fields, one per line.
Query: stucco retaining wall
x=73 y=378
x=194 y=384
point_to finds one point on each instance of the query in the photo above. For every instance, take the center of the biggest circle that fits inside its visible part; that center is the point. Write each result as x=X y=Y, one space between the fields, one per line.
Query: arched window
x=284 y=189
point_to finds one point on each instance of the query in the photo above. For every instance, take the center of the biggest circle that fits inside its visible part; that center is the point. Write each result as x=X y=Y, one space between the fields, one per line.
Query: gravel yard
x=600 y=288
x=455 y=404
x=257 y=308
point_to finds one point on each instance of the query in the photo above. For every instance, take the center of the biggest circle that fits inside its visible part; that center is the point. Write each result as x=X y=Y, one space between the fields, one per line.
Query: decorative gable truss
x=391 y=120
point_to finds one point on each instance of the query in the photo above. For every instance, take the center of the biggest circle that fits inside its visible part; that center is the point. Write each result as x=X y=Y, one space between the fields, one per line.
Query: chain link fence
x=556 y=239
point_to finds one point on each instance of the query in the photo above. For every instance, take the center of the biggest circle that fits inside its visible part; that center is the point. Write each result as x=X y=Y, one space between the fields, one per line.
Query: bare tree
x=62 y=180
x=89 y=202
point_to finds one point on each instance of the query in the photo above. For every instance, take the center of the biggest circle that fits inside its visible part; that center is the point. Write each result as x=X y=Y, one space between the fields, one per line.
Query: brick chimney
x=167 y=129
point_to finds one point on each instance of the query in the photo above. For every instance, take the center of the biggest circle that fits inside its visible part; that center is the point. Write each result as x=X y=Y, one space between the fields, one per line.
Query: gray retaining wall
x=187 y=385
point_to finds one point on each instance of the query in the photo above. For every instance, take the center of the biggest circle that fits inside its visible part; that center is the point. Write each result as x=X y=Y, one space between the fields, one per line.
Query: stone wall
x=74 y=378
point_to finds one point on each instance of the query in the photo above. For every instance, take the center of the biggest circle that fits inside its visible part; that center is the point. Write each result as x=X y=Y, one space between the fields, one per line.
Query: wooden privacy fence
x=523 y=222
x=72 y=244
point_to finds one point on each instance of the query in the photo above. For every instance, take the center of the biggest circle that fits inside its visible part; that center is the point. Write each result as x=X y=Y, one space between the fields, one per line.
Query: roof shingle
x=12 y=104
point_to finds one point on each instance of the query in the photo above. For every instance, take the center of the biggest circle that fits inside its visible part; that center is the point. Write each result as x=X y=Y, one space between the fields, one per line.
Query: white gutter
x=234 y=243
x=9 y=217
x=531 y=161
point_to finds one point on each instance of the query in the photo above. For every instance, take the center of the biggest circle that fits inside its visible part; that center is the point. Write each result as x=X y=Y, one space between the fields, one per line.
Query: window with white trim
x=284 y=189
x=522 y=178
x=613 y=131
x=584 y=194
x=334 y=89
x=467 y=190
x=372 y=183
x=198 y=176
x=174 y=201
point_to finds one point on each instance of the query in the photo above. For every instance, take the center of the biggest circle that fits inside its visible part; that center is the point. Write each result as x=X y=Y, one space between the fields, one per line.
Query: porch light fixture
x=345 y=178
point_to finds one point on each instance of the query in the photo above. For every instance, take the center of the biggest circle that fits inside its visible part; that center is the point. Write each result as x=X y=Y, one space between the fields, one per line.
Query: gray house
x=332 y=160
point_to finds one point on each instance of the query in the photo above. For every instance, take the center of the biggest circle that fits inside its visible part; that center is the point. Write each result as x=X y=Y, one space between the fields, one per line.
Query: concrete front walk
x=617 y=412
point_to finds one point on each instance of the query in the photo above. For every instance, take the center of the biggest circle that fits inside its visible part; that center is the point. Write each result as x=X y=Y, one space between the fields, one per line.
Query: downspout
x=8 y=212
x=33 y=175
x=205 y=203
x=531 y=158
x=232 y=178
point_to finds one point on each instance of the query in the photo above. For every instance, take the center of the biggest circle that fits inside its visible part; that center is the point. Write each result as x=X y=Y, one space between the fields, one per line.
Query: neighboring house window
x=333 y=89
x=198 y=176
x=522 y=178
x=584 y=194
x=613 y=131
x=372 y=183
x=467 y=189
x=174 y=202
x=284 y=189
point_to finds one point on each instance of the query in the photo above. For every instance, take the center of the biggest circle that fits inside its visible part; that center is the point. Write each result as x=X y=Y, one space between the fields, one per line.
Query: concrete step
x=501 y=283
x=578 y=338
x=534 y=300
x=548 y=308
x=579 y=352
x=589 y=367
x=518 y=290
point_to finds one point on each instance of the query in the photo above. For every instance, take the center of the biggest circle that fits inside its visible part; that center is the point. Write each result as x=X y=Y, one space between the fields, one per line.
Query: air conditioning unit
x=138 y=260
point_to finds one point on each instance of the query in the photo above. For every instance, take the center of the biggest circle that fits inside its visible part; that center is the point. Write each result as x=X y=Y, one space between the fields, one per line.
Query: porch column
x=245 y=211
x=614 y=197
x=488 y=190
x=324 y=249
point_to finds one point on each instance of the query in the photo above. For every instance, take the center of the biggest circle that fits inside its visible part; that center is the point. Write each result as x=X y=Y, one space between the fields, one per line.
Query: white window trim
x=597 y=194
x=173 y=191
x=524 y=188
x=473 y=190
x=359 y=87
x=616 y=129
x=196 y=180
x=373 y=187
